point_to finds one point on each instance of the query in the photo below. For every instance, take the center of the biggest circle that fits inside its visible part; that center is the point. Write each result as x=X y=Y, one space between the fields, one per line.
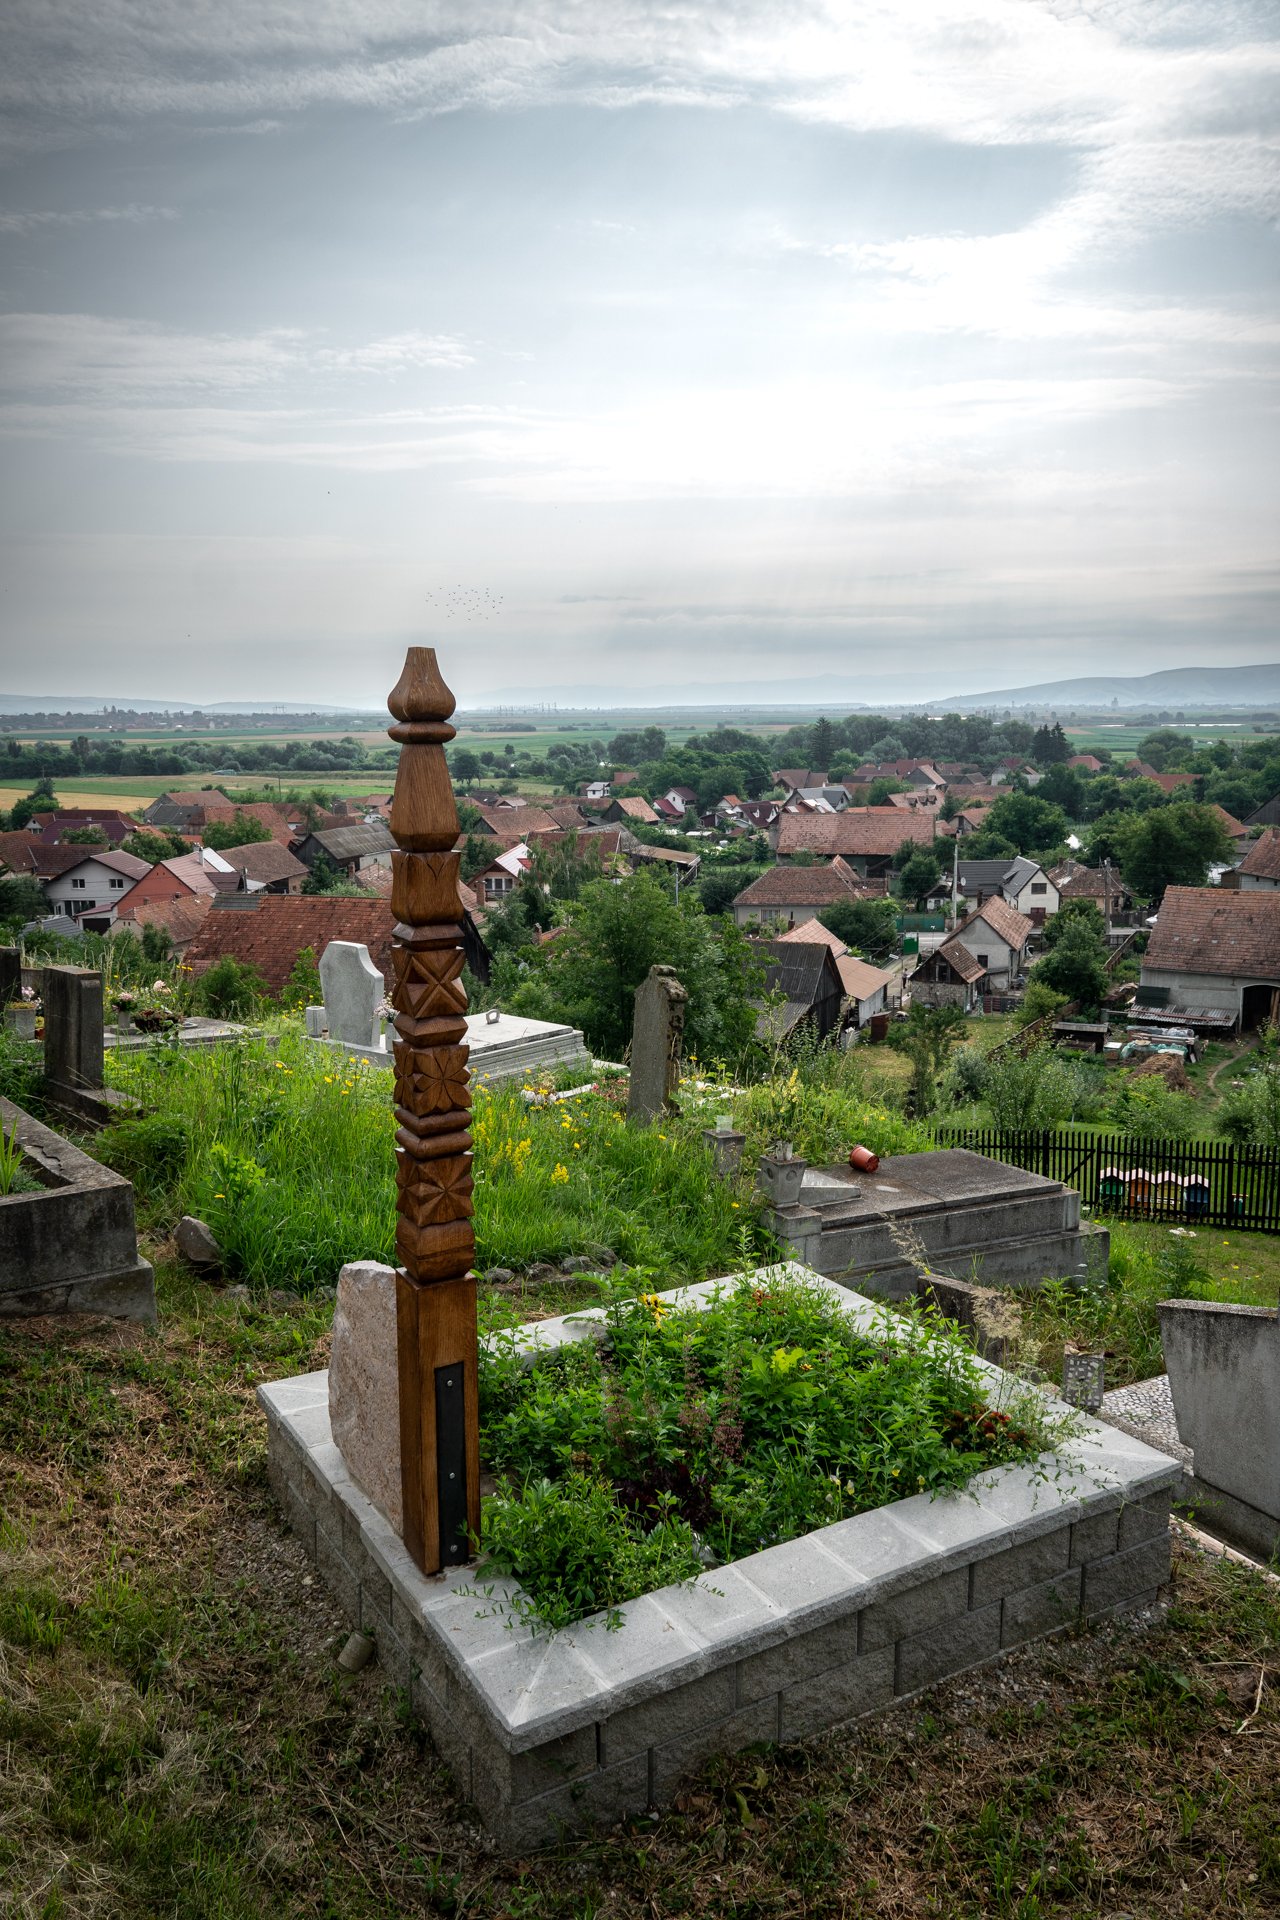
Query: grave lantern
x=435 y=1287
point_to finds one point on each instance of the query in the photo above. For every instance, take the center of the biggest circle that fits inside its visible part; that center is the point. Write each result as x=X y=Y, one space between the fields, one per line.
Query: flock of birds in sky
x=464 y=603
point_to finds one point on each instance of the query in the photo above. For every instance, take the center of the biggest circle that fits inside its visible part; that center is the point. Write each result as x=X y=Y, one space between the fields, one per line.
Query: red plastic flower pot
x=862 y=1160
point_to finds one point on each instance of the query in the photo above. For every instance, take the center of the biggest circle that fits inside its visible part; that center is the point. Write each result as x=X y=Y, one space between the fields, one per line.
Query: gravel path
x=1146 y=1411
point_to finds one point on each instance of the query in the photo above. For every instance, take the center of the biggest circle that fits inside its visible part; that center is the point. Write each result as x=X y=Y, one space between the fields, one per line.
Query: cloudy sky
x=626 y=349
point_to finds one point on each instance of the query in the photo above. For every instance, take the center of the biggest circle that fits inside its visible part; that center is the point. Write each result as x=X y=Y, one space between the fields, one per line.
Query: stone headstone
x=73 y=1031
x=364 y=1386
x=10 y=974
x=353 y=992
x=657 y=1039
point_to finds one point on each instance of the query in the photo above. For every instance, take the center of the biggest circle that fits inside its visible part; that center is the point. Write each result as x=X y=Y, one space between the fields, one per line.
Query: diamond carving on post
x=435 y=1287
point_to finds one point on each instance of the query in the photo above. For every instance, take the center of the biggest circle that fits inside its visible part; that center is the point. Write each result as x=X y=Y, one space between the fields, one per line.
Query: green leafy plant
x=689 y=1437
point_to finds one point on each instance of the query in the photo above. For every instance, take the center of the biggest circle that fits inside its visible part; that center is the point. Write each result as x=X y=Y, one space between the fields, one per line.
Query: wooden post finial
x=435 y=1294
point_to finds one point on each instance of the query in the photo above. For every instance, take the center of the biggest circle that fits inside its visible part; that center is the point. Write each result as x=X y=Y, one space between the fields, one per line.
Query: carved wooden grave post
x=435 y=1288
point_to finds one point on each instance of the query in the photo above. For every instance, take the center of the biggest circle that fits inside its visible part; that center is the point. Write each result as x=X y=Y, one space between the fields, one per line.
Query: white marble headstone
x=353 y=992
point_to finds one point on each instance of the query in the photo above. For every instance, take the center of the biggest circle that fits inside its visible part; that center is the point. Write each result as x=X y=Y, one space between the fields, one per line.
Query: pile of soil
x=1170 y=1069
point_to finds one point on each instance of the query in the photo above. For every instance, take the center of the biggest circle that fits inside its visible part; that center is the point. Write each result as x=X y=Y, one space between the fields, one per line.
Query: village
x=974 y=1059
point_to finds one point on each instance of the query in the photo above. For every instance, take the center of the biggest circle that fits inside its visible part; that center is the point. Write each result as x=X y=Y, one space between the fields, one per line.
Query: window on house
x=1039 y=886
x=80 y=883
x=981 y=959
x=118 y=885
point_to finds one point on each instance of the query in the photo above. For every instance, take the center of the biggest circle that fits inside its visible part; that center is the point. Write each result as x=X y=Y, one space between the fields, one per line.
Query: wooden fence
x=1191 y=1181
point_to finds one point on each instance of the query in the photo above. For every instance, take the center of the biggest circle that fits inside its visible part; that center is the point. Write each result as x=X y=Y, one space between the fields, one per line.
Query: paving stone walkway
x=1146 y=1411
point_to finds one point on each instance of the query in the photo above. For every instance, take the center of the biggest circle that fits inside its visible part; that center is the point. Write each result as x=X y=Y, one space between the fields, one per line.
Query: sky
x=626 y=351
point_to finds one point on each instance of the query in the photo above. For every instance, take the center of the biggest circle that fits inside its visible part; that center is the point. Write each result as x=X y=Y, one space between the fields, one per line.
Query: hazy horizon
x=743 y=346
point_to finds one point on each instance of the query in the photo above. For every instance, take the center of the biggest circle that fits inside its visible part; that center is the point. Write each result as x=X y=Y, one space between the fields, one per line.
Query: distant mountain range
x=1176 y=687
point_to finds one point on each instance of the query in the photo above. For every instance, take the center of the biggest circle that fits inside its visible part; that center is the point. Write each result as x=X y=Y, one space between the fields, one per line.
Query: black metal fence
x=1190 y=1181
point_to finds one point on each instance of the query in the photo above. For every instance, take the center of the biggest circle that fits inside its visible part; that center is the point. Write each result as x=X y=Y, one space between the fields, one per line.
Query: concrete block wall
x=545 y=1733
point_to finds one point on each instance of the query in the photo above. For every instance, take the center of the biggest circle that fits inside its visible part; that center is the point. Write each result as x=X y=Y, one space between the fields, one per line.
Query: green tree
x=1026 y=822
x=824 y=744
x=1171 y=846
x=1050 y=746
x=241 y=830
x=867 y=927
x=1075 y=964
x=324 y=876
x=718 y=890
x=154 y=844
x=919 y=875
x=303 y=988
x=927 y=1036
x=41 y=799
x=477 y=854
x=91 y=836
x=589 y=974
x=21 y=899
x=465 y=766
x=230 y=987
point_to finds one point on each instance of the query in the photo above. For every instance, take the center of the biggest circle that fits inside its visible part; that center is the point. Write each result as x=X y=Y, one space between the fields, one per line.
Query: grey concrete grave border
x=548 y=1733
x=72 y=1247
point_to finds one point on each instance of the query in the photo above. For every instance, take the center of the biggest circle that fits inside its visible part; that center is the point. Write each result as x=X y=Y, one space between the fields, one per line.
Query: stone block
x=1121 y=1579
x=393 y=1655
x=920 y=1607
x=1023 y=1566
x=1095 y=1536
x=947 y=1648
x=672 y=1715
x=300 y=1514
x=805 y=1581
x=798 y=1658
x=1141 y=1520
x=1041 y=1609
x=842 y=1693
x=596 y=1800
x=364 y=1384
x=553 y=1765
x=675 y=1761
x=338 y=1577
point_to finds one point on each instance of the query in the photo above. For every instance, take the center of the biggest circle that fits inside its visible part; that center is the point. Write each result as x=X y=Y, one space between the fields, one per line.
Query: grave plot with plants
x=688 y=1437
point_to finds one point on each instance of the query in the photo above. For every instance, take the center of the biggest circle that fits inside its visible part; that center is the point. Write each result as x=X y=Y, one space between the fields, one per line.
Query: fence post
x=1231 y=1184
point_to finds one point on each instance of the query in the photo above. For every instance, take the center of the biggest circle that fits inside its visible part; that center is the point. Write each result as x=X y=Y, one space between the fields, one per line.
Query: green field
x=1088 y=737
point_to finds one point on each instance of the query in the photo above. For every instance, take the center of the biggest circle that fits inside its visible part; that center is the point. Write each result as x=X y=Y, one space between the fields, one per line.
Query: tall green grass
x=286 y=1149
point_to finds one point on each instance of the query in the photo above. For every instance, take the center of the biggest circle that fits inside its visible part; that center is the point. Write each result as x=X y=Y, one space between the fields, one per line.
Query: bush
x=1149 y=1110
x=1039 y=1000
x=1250 y=1115
x=966 y=1077
x=1028 y=1091
x=152 y=1150
x=230 y=988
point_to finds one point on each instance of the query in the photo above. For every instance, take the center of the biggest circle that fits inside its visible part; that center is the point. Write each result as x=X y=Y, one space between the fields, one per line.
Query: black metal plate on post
x=451 y=1464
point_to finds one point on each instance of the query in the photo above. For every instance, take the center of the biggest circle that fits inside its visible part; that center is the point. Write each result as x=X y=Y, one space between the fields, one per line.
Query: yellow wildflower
x=559 y=1174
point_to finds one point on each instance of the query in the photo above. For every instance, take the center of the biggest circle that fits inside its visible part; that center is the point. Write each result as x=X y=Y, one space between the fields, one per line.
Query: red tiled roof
x=636 y=809
x=1206 y=930
x=1262 y=861
x=23 y=852
x=961 y=961
x=265 y=861
x=1013 y=927
x=802 y=887
x=857 y=832
x=271 y=932
x=181 y=919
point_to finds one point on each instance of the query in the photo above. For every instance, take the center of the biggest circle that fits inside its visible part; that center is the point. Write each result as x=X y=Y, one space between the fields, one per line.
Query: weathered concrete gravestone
x=353 y=992
x=73 y=1044
x=1224 y=1372
x=657 y=1040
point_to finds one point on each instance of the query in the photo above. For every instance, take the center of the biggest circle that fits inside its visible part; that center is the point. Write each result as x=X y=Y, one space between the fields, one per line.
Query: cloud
x=92 y=354
x=31 y=220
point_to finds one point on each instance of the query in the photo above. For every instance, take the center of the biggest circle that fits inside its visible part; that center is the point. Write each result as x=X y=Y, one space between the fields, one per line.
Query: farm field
x=1123 y=739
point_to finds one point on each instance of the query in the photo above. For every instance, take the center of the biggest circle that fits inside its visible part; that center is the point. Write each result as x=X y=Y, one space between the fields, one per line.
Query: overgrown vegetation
x=692 y=1437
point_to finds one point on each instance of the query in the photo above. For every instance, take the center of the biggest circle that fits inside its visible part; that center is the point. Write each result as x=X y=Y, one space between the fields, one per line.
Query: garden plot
x=545 y=1730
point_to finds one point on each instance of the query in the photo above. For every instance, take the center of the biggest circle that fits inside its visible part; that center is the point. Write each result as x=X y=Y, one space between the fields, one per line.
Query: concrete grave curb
x=553 y=1732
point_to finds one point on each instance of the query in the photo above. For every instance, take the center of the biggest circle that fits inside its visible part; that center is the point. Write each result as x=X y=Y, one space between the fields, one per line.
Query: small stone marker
x=196 y=1243
x=1083 y=1380
x=364 y=1390
x=317 y=1022
x=656 y=1044
x=353 y=992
